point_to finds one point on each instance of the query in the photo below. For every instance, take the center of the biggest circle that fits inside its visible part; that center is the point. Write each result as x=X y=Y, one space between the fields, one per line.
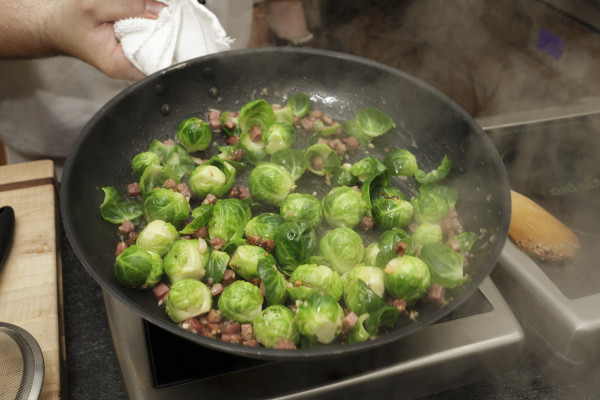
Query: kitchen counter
x=93 y=370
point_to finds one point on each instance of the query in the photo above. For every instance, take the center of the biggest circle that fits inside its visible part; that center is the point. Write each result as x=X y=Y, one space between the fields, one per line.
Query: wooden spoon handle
x=539 y=233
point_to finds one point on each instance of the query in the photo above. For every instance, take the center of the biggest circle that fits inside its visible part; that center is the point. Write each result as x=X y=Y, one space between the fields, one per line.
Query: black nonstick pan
x=426 y=123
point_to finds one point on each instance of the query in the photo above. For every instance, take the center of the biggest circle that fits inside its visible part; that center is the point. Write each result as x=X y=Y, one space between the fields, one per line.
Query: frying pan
x=427 y=123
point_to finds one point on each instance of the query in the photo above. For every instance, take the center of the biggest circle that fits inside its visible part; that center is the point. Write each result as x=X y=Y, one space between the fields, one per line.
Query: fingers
x=115 y=10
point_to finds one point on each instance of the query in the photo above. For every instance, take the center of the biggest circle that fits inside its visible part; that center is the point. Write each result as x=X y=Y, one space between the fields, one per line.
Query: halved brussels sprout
x=366 y=167
x=217 y=264
x=186 y=259
x=429 y=207
x=293 y=160
x=141 y=161
x=319 y=318
x=270 y=183
x=343 y=207
x=154 y=176
x=194 y=134
x=373 y=122
x=215 y=177
x=295 y=242
x=371 y=251
x=279 y=136
x=343 y=176
x=201 y=216
x=180 y=161
x=241 y=301
x=244 y=260
x=158 y=236
x=137 y=268
x=188 y=298
x=302 y=207
x=372 y=276
x=322 y=159
x=310 y=278
x=427 y=233
x=256 y=113
x=437 y=174
x=447 y=192
x=445 y=265
x=401 y=162
x=116 y=209
x=166 y=205
x=255 y=149
x=300 y=104
x=162 y=149
x=284 y=115
x=387 y=246
x=343 y=247
x=274 y=282
x=228 y=219
x=407 y=278
x=274 y=324
x=392 y=212
x=264 y=225
x=360 y=298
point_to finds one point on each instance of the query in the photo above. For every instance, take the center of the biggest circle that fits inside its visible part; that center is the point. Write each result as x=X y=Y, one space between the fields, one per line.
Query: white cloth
x=183 y=30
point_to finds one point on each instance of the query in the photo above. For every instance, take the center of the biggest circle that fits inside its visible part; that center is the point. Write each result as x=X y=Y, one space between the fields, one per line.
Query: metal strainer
x=21 y=364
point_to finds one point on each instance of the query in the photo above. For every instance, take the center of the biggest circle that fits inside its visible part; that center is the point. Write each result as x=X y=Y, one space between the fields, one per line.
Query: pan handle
x=7 y=227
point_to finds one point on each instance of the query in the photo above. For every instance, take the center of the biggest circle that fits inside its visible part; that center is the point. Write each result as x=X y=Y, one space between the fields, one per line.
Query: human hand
x=79 y=28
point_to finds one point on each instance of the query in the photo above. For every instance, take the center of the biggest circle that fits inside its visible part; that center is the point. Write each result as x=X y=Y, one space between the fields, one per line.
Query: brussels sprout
x=245 y=258
x=300 y=104
x=234 y=155
x=445 y=265
x=366 y=167
x=141 y=161
x=302 y=207
x=447 y=192
x=322 y=159
x=273 y=280
x=373 y=122
x=158 y=236
x=194 y=134
x=292 y=160
x=162 y=149
x=256 y=113
x=429 y=207
x=392 y=212
x=217 y=264
x=358 y=333
x=373 y=186
x=228 y=219
x=116 y=209
x=275 y=323
x=372 y=276
x=137 y=268
x=227 y=116
x=215 y=176
x=427 y=233
x=319 y=318
x=343 y=247
x=279 y=136
x=295 y=242
x=360 y=298
x=201 y=216
x=407 y=278
x=351 y=128
x=255 y=150
x=155 y=176
x=371 y=251
x=241 y=301
x=186 y=259
x=284 y=115
x=188 y=298
x=180 y=161
x=166 y=205
x=401 y=162
x=368 y=324
x=343 y=206
x=264 y=225
x=309 y=278
x=270 y=183
x=388 y=242
x=437 y=174
x=343 y=176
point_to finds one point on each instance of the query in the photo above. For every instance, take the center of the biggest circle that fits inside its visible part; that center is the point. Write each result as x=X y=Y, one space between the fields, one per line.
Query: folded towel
x=183 y=30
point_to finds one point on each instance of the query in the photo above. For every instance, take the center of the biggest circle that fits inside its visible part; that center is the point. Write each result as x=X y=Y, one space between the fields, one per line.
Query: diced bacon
x=254 y=240
x=251 y=343
x=232 y=140
x=351 y=142
x=133 y=189
x=367 y=223
x=327 y=119
x=216 y=289
x=229 y=124
x=126 y=227
x=337 y=145
x=436 y=293
x=318 y=163
x=214 y=120
x=268 y=245
x=247 y=332
x=184 y=190
x=285 y=344
x=263 y=288
x=231 y=338
x=350 y=320
x=228 y=277
x=160 y=292
x=230 y=327
x=400 y=248
x=399 y=304
x=214 y=316
x=200 y=233
x=307 y=124
x=170 y=183
x=192 y=325
x=217 y=243
x=454 y=244
x=238 y=154
x=210 y=199
x=316 y=114
x=121 y=246
x=239 y=192
x=255 y=134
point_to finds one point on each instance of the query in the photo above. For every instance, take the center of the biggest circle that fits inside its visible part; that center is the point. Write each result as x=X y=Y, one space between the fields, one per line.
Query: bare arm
x=78 y=28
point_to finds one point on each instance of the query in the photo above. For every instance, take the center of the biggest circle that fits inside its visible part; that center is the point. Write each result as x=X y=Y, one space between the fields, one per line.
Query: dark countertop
x=93 y=370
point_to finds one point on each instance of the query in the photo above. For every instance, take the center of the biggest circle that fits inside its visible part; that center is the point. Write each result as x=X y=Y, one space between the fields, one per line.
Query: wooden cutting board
x=30 y=282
